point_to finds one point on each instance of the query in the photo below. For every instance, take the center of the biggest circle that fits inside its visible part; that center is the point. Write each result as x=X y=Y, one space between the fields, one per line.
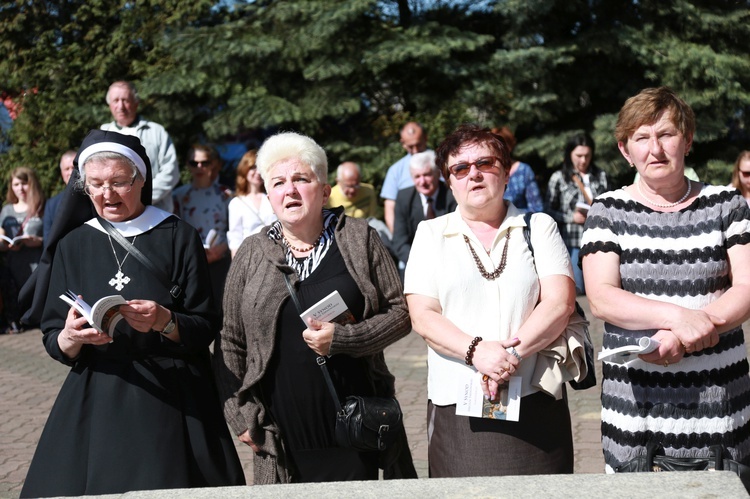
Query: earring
x=632 y=165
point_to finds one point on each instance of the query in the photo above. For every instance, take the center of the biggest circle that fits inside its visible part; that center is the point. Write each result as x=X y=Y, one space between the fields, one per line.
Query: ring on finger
x=666 y=363
x=485 y=378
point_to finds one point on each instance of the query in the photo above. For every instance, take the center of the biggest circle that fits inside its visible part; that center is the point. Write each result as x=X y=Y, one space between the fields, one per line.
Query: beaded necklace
x=304 y=250
x=499 y=270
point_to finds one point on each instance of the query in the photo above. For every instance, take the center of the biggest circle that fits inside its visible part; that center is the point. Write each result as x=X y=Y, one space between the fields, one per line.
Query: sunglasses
x=484 y=165
x=196 y=164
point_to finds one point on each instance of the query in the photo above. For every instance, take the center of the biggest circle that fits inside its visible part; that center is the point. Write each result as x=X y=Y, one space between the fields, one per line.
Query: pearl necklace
x=668 y=205
x=303 y=250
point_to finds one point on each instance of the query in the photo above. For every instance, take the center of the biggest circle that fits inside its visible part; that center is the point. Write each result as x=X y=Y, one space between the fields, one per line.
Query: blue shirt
x=398 y=177
x=523 y=191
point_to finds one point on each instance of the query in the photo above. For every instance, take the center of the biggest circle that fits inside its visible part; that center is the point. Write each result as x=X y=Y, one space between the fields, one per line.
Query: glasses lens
x=460 y=170
x=485 y=164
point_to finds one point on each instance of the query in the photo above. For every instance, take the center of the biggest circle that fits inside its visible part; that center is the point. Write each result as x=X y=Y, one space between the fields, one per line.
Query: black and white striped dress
x=679 y=258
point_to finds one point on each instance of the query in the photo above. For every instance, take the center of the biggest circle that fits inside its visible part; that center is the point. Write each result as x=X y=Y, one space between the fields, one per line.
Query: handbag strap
x=582 y=188
x=527 y=233
x=321 y=360
x=174 y=289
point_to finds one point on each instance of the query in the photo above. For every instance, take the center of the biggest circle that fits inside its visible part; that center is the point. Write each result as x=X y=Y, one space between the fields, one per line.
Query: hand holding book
x=102 y=315
x=320 y=318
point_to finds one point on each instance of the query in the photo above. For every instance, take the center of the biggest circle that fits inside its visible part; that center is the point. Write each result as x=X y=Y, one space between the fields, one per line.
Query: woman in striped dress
x=660 y=259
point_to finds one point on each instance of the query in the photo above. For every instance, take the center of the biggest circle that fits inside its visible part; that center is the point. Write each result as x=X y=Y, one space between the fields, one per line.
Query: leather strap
x=174 y=289
x=582 y=188
x=321 y=360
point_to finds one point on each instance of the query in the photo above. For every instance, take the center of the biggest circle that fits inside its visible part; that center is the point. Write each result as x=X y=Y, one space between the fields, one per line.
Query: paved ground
x=30 y=380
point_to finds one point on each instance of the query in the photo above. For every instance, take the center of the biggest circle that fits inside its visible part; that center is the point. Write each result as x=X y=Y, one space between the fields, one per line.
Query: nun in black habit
x=138 y=410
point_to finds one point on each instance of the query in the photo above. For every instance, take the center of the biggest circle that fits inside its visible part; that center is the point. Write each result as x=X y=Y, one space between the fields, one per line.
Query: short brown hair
x=466 y=135
x=209 y=150
x=648 y=106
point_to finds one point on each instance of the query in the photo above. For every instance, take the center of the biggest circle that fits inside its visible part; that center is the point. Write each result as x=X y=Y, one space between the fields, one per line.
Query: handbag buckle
x=383 y=428
x=320 y=360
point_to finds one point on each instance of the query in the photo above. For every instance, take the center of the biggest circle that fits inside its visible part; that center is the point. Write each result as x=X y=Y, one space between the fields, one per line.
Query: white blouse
x=245 y=220
x=441 y=267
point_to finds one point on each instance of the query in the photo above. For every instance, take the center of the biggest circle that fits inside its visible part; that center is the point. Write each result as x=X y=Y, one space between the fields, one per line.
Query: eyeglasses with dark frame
x=118 y=187
x=204 y=164
x=484 y=164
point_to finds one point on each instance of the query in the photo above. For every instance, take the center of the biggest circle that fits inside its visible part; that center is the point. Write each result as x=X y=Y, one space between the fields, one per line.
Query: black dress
x=296 y=392
x=141 y=412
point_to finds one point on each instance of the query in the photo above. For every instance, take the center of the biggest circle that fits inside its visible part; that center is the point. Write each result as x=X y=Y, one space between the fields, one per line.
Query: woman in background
x=569 y=194
x=741 y=175
x=522 y=189
x=250 y=210
x=21 y=216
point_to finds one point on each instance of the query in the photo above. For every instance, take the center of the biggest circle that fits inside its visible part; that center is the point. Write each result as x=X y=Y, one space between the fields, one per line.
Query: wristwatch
x=170 y=325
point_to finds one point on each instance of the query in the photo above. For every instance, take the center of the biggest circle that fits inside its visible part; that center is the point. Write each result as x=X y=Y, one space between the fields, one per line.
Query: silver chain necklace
x=119 y=280
x=668 y=205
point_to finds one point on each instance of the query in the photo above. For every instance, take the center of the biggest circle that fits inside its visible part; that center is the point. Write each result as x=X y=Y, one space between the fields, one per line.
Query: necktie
x=430 y=210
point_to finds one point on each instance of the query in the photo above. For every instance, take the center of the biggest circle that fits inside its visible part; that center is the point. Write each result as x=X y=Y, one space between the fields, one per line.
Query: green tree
x=347 y=73
x=60 y=57
x=351 y=73
x=562 y=67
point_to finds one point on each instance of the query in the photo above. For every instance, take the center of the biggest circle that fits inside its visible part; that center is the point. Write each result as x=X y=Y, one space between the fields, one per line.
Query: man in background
x=357 y=198
x=122 y=99
x=50 y=207
x=204 y=204
x=428 y=198
x=413 y=140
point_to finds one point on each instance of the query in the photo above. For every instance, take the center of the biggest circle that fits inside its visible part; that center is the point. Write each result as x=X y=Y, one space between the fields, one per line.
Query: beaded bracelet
x=514 y=353
x=470 y=351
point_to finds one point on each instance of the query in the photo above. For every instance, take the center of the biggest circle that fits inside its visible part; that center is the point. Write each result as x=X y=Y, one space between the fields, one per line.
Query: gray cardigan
x=255 y=293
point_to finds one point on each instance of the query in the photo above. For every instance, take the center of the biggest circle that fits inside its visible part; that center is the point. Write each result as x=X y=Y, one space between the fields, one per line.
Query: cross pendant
x=119 y=280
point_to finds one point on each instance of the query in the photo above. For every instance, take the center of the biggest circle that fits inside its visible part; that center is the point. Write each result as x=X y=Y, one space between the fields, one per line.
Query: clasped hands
x=495 y=364
x=694 y=331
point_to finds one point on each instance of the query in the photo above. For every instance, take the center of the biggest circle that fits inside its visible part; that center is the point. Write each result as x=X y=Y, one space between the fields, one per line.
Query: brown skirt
x=540 y=443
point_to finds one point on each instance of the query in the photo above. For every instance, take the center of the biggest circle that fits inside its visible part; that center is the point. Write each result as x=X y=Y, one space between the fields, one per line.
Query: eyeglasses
x=484 y=165
x=197 y=164
x=118 y=187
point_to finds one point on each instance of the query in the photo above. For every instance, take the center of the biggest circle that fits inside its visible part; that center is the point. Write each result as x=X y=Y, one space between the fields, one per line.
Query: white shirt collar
x=150 y=218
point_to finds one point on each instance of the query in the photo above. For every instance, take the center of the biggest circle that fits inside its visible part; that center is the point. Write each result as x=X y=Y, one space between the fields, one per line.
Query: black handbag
x=362 y=423
x=655 y=460
x=590 y=379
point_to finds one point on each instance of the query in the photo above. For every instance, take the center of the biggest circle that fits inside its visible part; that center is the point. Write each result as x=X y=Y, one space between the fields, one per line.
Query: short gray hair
x=291 y=145
x=123 y=83
x=425 y=159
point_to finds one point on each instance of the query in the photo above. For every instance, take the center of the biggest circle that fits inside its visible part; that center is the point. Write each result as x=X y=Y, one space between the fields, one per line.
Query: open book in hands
x=332 y=308
x=14 y=240
x=626 y=353
x=102 y=315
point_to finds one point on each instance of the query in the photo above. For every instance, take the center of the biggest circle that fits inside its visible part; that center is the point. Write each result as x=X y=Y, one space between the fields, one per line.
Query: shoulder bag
x=577 y=319
x=362 y=423
x=655 y=460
